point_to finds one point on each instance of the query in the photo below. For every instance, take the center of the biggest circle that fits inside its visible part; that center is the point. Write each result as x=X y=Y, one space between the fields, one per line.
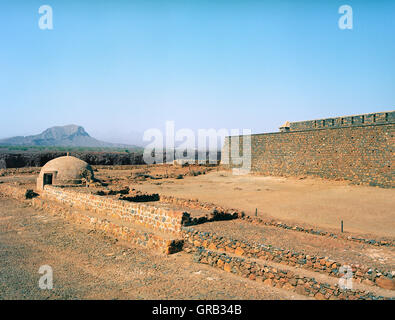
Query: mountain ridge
x=62 y=136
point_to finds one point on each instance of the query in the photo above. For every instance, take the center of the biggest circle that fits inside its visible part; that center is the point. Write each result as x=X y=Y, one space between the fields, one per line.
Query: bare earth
x=343 y=251
x=90 y=265
x=321 y=203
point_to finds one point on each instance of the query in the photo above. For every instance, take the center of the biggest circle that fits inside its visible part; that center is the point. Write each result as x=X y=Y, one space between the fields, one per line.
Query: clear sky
x=120 y=67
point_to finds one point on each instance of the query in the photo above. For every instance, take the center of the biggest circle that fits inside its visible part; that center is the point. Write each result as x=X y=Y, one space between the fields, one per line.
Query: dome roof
x=68 y=170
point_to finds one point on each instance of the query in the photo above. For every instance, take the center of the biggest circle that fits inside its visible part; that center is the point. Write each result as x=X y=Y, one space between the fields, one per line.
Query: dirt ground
x=90 y=265
x=343 y=251
x=316 y=202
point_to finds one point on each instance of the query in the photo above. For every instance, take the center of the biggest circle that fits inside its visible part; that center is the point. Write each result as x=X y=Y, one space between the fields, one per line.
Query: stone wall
x=156 y=218
x=361 y=274
x=360 y=154
x=277 y=278
x=142 y=238
x=356 y=120
x=382 y=241
x=216 y=213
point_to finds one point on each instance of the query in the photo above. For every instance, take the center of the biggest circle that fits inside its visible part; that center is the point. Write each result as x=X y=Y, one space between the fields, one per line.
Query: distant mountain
x=65 y=136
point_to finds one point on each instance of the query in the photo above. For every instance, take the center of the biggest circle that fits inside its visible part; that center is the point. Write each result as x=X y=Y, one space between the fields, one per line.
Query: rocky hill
x=64 y=136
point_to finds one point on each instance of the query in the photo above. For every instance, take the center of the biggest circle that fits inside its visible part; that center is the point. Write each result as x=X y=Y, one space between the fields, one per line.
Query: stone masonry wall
x=361 y=274
x=156 y=218
x=279 y=278
x=347 y=121
x=361 y=154
x=142 y=238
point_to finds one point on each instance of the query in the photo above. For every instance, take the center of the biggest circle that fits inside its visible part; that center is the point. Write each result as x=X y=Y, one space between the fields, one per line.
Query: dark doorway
x=48 y=178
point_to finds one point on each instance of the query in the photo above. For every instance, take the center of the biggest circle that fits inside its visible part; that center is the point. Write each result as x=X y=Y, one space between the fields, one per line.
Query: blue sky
x=121 y=67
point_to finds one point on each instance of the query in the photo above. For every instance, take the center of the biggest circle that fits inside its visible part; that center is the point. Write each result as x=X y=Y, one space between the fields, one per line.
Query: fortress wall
x=361 y=154
x=161 y=219
x=347 y=121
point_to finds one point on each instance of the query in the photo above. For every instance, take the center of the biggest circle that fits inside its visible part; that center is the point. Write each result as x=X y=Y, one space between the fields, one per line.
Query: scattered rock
x=386 y=283
x=239 y=251
x=319 y=296
x=268 y=282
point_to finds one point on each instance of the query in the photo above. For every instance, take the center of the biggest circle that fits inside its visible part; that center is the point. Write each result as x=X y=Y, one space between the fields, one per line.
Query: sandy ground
x=90 y=265
x=316 y=202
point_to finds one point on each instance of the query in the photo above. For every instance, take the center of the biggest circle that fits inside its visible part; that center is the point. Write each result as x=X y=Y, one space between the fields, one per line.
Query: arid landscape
x=197 y=158
x=243 y=237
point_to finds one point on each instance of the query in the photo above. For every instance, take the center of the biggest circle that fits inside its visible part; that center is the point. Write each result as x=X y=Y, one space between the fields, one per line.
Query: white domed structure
x=64 y=171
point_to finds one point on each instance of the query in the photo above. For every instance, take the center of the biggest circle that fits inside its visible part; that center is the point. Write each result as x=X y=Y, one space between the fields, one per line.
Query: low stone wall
x=67 y=203
x=375 y=242
x=365 y=275
x=191 y=203
x=156 y=218
x=228 y=213
x=279 y=278
x=213 y=212
x=133 y=236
